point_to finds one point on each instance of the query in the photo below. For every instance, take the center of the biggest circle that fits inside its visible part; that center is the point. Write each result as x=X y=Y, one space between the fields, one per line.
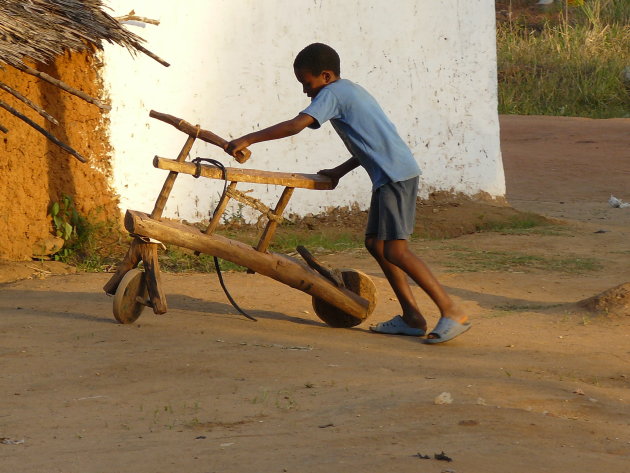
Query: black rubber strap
x=227 y=293
x=213 y=162
x=220 y=165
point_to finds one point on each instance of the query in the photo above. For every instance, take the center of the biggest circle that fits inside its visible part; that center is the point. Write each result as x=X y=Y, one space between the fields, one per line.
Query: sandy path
x=537 y=385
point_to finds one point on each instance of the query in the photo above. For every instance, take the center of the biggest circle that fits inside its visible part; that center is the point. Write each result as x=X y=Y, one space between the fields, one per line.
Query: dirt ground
x=539 y=384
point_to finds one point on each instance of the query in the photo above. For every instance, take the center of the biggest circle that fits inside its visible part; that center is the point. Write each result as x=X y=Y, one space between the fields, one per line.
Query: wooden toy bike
x=341 y=298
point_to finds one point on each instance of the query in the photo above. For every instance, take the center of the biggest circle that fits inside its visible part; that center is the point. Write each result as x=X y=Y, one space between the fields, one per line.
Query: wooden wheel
x=357 y=282
x=132 y=287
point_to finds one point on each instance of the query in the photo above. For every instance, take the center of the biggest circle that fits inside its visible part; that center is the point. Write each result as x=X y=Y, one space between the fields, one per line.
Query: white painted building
x=430 y=64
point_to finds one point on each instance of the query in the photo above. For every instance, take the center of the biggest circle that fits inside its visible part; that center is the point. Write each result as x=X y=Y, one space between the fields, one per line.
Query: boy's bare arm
x=338 y=172
x=274 y=132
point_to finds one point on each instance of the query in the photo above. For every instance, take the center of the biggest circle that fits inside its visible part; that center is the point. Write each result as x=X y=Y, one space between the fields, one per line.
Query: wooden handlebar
x=204 y=135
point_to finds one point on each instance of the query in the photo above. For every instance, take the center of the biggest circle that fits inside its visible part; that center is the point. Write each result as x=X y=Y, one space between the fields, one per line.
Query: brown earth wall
x=34 y=172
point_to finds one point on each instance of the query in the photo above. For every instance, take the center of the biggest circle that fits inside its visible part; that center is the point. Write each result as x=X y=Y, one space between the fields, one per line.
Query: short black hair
x=318 y=57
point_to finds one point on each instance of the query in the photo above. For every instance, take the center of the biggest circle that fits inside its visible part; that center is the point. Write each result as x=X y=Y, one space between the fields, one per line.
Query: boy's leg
x=398 y=281
x=391 y=220
x=398 y=254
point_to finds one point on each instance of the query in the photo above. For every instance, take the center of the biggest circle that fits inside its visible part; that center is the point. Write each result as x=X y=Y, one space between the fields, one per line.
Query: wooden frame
x=149 y=230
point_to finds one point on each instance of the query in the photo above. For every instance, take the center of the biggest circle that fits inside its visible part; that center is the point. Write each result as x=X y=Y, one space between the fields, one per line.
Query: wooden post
x=149 y=254
x=170 y=181
x=270 y=229
x=130 y=261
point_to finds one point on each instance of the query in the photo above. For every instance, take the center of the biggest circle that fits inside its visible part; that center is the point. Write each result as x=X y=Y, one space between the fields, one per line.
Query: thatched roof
x=41 y=30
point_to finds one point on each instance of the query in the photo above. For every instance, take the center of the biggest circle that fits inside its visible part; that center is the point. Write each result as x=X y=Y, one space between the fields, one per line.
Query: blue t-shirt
x=365 y=130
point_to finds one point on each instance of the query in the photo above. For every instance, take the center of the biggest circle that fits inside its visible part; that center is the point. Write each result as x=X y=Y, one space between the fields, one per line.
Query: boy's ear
x=327 y=76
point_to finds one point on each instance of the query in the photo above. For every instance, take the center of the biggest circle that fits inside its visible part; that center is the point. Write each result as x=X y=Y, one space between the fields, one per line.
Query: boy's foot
x=447 y=329
x=397 y=326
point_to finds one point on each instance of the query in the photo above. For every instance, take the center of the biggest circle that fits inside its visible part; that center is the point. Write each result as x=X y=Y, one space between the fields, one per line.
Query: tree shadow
x=39 y=302
x=53 y=99
x=494 y=301
x=490 y=301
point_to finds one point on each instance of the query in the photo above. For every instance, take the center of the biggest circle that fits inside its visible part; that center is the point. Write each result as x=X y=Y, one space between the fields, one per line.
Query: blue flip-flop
x=447 y=329
x=397 y=326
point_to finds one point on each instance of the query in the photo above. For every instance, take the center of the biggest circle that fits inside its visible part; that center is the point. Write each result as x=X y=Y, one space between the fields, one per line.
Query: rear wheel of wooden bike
x=357 y=282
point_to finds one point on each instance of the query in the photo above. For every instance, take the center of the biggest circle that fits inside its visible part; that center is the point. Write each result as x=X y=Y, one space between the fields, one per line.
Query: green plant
x=286 y=242
x=96 y=243
x=519 y=224
x=235 y=216
x=466 y=260
x=182 y=260
x=262 y=398
x=570 y=65
x=524 y=307
x=68 y=224
x=284 y=400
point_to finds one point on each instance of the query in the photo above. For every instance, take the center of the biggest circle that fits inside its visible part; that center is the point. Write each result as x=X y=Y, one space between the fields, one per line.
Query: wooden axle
x=282 y=268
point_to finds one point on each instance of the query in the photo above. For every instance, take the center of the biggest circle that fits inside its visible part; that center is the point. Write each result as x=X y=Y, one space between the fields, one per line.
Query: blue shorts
x=392 y=214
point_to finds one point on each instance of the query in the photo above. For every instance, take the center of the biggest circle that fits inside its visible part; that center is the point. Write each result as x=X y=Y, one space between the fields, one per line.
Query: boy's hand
x=338 y=172
x=236 y=145
x=333 y=174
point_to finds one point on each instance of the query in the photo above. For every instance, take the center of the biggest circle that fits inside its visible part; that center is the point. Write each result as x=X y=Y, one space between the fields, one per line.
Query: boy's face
x=311 y=85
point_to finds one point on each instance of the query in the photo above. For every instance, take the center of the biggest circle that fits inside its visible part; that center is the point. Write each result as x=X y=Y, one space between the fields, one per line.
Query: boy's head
x=317 y=57
x=316 y=66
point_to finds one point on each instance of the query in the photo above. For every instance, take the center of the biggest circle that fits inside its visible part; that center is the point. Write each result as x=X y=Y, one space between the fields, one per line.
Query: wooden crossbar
x=286 y=179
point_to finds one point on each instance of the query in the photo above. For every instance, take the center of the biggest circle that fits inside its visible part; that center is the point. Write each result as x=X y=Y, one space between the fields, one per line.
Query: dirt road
x=539 y=384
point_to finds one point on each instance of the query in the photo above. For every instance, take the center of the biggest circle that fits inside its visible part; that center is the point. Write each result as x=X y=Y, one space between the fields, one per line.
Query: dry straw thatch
x=41 y=30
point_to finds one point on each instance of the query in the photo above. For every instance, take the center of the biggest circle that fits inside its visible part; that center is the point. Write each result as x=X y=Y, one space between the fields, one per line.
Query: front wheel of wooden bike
x=131 y=296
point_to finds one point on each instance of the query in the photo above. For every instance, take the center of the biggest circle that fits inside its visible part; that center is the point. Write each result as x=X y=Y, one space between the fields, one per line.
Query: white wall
x=430 y=63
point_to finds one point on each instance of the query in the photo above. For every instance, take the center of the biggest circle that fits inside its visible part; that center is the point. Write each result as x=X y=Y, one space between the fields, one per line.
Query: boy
x=374 y=144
